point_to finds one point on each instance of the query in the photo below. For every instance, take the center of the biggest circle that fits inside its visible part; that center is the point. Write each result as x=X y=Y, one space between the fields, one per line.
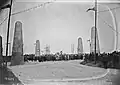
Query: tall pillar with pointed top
x=92 y=47
x=80 y=46
x=17 y=49
x=37 y=48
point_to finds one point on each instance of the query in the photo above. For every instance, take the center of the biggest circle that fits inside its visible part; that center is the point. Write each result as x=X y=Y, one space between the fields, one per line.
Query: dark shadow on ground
x=7 y=77
x=116 y=80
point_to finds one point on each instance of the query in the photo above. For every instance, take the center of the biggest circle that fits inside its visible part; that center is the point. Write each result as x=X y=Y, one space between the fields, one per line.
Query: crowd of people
x=52 y=57
x=105 y=60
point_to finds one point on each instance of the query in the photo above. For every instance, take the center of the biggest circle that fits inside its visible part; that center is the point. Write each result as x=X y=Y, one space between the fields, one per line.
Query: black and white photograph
x=59 y=42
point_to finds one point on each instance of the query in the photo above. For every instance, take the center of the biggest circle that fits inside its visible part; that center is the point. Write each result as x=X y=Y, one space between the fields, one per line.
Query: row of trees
x=107 y=60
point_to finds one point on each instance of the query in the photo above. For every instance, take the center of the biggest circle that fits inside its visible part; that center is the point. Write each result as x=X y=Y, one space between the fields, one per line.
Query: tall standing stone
x=17 y=49
x=37 y=48
x=80 y=46
x=92 y=44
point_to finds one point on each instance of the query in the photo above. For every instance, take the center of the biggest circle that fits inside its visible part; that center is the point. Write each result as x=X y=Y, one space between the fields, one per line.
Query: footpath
x=65 y=81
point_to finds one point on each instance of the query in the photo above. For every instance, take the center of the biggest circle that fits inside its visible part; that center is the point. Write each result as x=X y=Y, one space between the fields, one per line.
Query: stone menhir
x=37 y=48
x=92 y=43
x=1 y=56
x=17 y=49
x=80 y=46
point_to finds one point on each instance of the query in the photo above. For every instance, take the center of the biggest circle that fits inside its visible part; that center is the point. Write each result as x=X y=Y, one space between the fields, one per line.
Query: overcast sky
x=59 y=25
